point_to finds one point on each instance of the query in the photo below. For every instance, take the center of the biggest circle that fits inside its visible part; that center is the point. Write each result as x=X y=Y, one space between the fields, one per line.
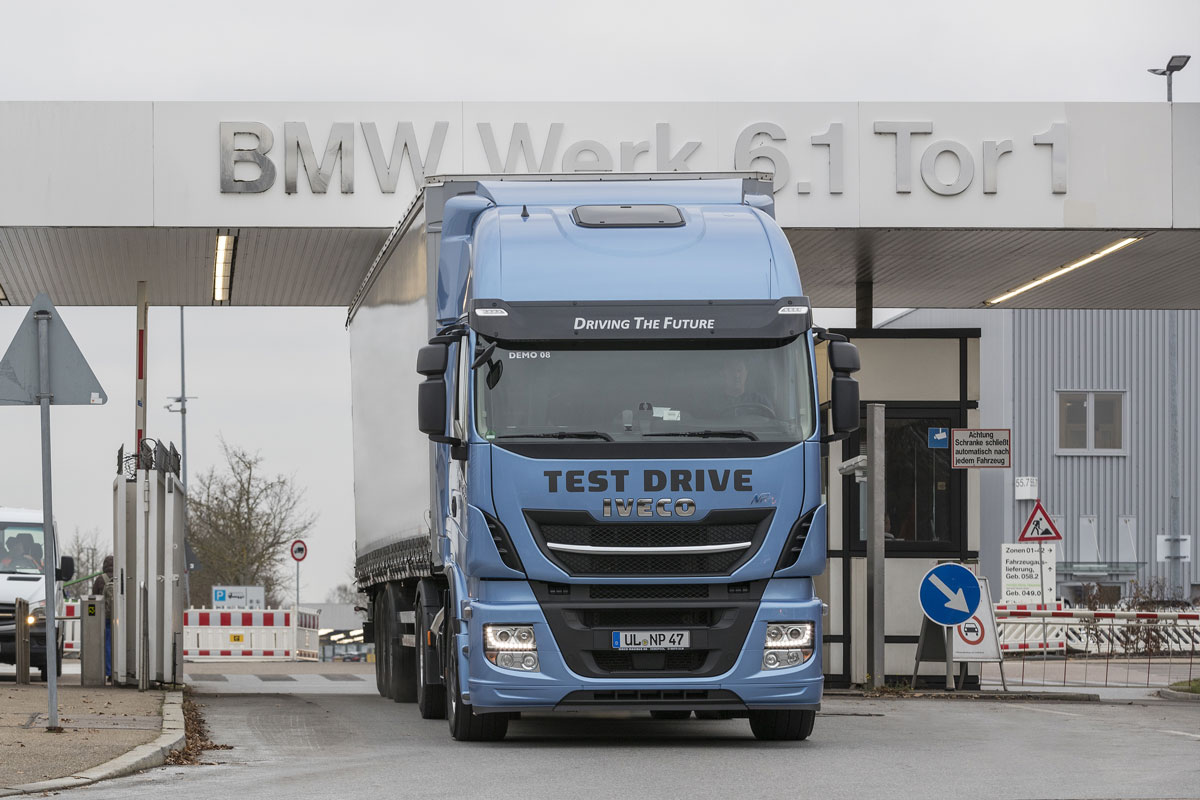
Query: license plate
x=651 y=640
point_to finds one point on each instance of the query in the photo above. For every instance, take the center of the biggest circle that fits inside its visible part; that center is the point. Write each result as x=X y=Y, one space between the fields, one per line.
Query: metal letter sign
x=43 y=366
x=299 y=550
x=1039 y=527
x=949 y=594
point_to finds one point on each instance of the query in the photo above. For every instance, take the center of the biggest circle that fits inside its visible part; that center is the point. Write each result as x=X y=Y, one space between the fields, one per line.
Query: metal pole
x=48 y=533
x=1169 y=95
x=1175 y=567
x=949 y=658
x=297 y=587
x=187 y=573
x=876 y=498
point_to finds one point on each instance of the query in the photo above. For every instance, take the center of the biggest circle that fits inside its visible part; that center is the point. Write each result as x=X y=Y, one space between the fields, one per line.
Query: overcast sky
x=277 y=380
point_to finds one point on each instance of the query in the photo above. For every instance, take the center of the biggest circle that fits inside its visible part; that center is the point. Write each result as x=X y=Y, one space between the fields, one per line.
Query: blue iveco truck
x=621 y=505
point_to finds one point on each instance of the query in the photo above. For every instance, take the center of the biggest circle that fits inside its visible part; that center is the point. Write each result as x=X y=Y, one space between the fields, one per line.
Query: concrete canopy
x=933 y=204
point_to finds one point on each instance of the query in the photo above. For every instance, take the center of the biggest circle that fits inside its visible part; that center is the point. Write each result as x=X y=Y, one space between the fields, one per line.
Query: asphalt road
x=341 y=745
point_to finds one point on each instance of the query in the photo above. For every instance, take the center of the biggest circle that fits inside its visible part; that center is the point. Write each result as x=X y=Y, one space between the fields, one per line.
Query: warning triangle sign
x=1039 y=527
x=72 y=382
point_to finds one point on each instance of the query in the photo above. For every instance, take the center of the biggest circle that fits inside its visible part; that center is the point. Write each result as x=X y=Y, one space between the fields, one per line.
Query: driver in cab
x=734 y=399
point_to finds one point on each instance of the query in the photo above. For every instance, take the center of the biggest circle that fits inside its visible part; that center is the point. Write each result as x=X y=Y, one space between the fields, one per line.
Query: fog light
x=788 y=644
x=511 y=647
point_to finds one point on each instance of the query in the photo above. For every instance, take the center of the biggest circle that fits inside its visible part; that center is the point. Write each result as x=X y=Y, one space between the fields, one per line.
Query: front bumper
x=37 y=645
x=743 y=686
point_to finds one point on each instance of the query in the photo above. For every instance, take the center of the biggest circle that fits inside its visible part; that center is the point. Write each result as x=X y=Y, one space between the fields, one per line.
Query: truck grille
x=669 y=661
x=583 y=546
x=8 y=612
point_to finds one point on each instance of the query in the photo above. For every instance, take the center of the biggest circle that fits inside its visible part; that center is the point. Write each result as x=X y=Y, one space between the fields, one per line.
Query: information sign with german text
x=981 y=448
x=1028 y=573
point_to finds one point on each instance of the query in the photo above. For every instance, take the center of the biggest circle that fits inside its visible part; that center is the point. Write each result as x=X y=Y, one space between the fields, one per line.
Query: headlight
x=788 y=644
x=511 y=647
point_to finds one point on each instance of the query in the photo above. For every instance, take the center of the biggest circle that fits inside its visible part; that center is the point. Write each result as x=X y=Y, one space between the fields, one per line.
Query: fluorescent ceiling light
x=223 y=268
x=1058 y=273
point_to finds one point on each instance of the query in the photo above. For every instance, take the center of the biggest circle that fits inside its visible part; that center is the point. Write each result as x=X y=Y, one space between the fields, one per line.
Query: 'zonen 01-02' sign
x=760 y=145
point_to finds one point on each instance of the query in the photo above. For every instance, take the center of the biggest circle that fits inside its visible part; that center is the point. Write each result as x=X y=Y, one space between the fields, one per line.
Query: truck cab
x=22 y=575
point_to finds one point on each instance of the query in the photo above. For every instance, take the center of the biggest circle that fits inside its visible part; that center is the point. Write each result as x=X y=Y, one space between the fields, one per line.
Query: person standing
x=103 y=585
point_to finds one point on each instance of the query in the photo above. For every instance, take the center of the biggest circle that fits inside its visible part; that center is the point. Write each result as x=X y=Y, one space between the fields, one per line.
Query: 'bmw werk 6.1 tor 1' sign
x=949 y=594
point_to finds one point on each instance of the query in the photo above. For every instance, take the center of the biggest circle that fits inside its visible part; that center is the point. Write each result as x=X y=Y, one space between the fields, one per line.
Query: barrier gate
x=251 y=634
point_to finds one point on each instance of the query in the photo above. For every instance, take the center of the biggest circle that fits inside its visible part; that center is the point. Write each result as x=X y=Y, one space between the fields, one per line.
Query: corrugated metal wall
x=1110 y=350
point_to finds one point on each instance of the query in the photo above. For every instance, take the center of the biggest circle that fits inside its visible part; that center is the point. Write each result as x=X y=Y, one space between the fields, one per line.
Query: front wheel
x=784 y=725
x=465 y=724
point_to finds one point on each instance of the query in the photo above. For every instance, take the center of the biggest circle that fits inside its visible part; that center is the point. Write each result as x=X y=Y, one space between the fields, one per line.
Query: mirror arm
x=823 y=335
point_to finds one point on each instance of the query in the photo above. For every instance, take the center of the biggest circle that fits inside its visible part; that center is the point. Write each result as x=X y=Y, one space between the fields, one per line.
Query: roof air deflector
x=634 y=216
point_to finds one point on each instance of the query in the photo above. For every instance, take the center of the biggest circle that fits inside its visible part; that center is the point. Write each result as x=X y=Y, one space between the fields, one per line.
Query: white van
x=22 y=554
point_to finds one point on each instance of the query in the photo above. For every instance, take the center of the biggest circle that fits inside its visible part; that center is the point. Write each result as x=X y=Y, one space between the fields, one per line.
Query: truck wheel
x=431 y=698
x=401 y=661
x=670 y=713
x=782 y=725
x=383 y=644
x=380 y=632
x=465 y=724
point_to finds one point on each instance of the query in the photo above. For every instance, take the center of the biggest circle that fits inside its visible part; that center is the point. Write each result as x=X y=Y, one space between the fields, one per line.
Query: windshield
x=21 y=547
x=630 y=392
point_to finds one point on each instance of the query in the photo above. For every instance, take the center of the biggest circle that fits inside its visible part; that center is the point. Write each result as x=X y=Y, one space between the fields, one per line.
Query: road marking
x=1181 y=733
x=1045 y=710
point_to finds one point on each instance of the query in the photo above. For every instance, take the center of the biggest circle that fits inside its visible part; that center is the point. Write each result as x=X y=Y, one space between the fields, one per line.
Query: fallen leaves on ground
x=196 y=737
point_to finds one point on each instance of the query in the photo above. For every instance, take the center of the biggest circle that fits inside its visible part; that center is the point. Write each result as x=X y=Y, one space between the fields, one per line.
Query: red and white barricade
x=69 y=625
x=254 y=635
x=1101 y=632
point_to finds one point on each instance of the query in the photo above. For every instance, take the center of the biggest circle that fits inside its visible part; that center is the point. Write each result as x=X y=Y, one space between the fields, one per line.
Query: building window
x=1091 y=423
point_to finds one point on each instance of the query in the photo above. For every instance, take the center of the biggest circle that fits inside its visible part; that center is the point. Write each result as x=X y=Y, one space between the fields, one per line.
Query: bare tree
x=240 y=525
x=88 y=549
x=346 y=593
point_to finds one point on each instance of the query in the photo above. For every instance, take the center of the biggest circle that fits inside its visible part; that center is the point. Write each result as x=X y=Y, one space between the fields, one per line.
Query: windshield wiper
x=560 y=435
x=731 y=434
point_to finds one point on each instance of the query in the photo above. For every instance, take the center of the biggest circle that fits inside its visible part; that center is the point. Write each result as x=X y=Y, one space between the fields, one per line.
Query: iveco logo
x=648 y=507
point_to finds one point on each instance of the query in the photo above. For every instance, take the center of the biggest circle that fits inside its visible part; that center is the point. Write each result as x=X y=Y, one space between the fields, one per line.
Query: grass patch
x=1185 y=686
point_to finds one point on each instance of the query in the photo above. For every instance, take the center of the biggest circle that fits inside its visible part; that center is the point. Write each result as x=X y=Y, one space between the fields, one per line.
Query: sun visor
x=641 y=320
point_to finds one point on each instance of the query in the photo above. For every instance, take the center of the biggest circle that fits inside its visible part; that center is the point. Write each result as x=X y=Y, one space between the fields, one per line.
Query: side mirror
x=843 y=392
x=66 y=568
x=432 y=359
x=431 y=407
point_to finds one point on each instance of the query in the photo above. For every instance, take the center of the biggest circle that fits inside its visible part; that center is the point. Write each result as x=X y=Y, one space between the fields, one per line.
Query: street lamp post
x=1174 y=65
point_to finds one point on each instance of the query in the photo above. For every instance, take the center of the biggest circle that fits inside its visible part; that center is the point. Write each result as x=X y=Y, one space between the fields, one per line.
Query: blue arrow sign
x=949 y=594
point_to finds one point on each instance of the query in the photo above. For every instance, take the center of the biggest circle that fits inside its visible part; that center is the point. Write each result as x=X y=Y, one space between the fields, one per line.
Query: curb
x=1171 y=694
x=939 y=694
x=145 y=756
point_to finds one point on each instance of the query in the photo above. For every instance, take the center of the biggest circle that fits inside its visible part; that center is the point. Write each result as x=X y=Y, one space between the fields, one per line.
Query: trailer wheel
x=383 y=642
x=402 y=661
x=465 y=724
x=782 y=725
x=431 y=698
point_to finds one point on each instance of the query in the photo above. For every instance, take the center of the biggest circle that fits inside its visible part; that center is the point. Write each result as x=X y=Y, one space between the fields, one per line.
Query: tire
x=782 y=725
x=383 y=644
x=403 y=668
x=465 y=724
x=377 y=615
x=671 y=713
x=431 y=698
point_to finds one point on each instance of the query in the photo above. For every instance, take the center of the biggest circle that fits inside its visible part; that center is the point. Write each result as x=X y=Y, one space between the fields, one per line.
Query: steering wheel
x=762 y=408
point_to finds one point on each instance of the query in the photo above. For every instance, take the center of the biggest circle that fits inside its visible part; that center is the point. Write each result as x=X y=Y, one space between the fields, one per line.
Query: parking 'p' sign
x=299 y=549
